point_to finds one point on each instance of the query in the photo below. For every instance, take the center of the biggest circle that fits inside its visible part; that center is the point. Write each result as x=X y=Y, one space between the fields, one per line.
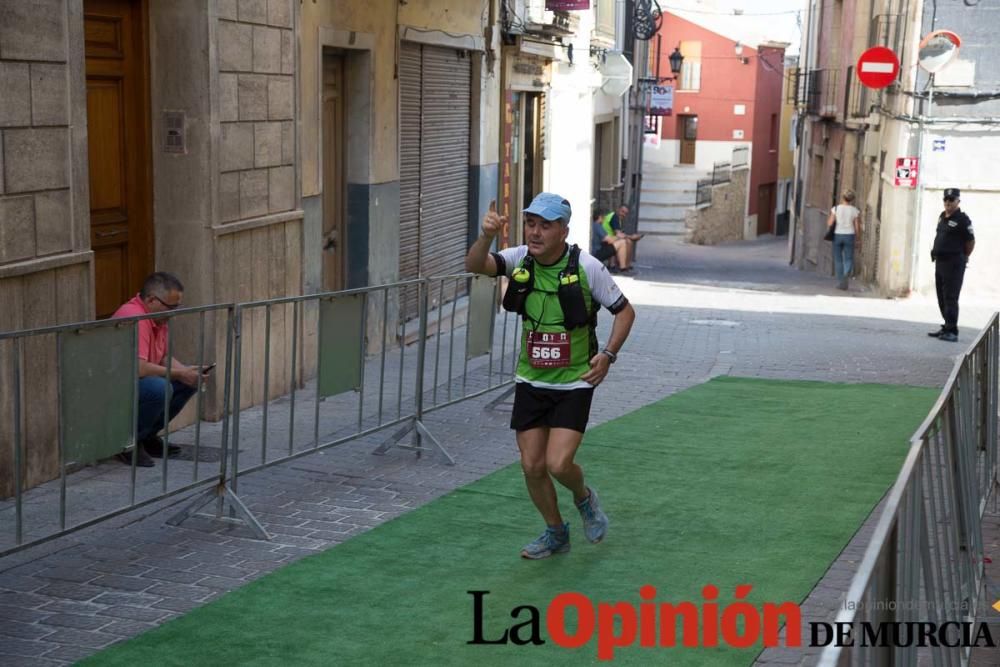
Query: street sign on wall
x=877 y=67
x=906 y=172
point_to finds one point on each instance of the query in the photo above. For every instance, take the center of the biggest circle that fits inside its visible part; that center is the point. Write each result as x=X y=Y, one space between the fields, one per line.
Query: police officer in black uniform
x=952 y=246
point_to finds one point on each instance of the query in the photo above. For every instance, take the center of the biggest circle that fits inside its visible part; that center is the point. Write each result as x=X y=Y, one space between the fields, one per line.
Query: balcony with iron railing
x=539 y=20
x=792 y=85
x=818 y=92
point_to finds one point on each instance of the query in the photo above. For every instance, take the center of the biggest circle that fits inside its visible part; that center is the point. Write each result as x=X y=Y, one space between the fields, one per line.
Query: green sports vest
x=542 y=313
x=606 y=223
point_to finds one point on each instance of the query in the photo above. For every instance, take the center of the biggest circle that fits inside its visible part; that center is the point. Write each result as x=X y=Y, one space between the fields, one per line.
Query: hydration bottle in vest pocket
x=517 y=290
x=571 y=301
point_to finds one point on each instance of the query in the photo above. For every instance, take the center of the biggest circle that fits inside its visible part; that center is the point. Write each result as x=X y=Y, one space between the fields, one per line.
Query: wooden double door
x=118 y=125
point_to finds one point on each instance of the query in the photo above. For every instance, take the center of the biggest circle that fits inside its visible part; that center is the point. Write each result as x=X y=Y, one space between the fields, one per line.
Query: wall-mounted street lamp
x=676 y=59
x=738 y=48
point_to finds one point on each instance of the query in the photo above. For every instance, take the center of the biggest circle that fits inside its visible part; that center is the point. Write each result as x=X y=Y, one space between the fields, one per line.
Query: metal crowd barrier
x=74 y=386
x=349 y=398
x=300 y=374
x=924 y=563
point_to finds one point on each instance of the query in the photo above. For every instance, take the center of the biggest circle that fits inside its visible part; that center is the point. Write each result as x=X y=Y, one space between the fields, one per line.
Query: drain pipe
x=806 y=58
x=920 y=185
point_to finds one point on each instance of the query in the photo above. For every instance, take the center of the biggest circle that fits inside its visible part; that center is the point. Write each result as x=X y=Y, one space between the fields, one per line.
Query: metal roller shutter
x=444 y=170
x=409 y=170
x=435 y=116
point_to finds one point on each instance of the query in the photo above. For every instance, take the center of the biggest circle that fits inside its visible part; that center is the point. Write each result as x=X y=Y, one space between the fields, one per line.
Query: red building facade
x=724 y=97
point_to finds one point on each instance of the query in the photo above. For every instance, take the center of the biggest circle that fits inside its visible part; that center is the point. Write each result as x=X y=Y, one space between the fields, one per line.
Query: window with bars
x=888 y=30
x=818 y=92
x=857 y=98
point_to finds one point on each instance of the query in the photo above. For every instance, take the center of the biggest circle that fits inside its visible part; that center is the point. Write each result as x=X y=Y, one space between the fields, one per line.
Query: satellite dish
x=937 y=50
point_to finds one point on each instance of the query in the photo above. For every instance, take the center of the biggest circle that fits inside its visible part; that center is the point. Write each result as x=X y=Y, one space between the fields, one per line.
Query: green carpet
x=736 y=481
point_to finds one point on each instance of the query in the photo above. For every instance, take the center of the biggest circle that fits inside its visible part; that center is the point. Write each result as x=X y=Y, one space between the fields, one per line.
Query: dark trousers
x=152 y=394
x=949 y=272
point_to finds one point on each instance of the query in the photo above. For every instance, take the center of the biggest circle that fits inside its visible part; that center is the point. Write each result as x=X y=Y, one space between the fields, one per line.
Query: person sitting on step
x=606 y=246
x=161 y=292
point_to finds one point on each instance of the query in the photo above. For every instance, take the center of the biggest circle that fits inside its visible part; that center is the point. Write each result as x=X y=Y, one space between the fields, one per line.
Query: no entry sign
x=877 y=67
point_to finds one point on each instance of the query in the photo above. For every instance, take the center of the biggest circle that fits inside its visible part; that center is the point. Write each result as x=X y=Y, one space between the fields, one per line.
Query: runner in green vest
x=560 y=364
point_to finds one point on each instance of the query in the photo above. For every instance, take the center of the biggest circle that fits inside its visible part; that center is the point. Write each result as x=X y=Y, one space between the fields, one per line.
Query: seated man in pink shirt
x=160 y=293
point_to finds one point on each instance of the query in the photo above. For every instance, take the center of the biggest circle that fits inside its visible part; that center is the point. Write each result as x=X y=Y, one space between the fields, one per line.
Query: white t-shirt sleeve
x=603 y=287
x=511 y=258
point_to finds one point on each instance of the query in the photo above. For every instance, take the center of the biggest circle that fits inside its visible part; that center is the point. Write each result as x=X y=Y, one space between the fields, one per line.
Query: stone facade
x=45 y=271
x=36 y=174
x=256 y=108
x=722 y=220
x=229 y=66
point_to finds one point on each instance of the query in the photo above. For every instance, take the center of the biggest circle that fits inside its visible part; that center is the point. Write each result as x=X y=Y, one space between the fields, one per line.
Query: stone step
x=668 y=179
x=663 y=227
x=664 y=211
x=672 y=172
x=669 y=186
x=668 y=197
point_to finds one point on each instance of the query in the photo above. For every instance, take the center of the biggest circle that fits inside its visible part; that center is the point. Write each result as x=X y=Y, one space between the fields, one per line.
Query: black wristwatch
x=611 y=355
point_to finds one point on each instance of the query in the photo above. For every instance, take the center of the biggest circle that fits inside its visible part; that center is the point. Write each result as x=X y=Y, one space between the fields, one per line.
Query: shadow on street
x=760 y=264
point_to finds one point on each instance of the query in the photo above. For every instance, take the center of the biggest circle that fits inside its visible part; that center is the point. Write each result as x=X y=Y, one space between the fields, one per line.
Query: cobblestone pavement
x=744 y=313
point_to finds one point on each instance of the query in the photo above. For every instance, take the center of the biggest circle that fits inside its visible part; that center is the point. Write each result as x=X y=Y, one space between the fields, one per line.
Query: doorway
x=533 y=137
x=599 y=149
x=688 y=133
x=527 y=146
x=766 y=198
x=334 y=172
x=119 y=150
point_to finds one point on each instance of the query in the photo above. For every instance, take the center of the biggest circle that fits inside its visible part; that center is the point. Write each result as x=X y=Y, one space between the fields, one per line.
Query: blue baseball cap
x=551 y=207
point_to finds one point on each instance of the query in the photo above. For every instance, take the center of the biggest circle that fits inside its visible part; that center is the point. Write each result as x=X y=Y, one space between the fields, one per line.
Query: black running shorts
x=605 y=252
x=554 y=408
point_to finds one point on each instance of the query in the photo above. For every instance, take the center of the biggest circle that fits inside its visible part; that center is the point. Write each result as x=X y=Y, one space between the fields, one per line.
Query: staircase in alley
x=667 y=192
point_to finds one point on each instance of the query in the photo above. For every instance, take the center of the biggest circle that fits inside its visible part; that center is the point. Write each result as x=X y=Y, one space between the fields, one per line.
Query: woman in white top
x=846 y=235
